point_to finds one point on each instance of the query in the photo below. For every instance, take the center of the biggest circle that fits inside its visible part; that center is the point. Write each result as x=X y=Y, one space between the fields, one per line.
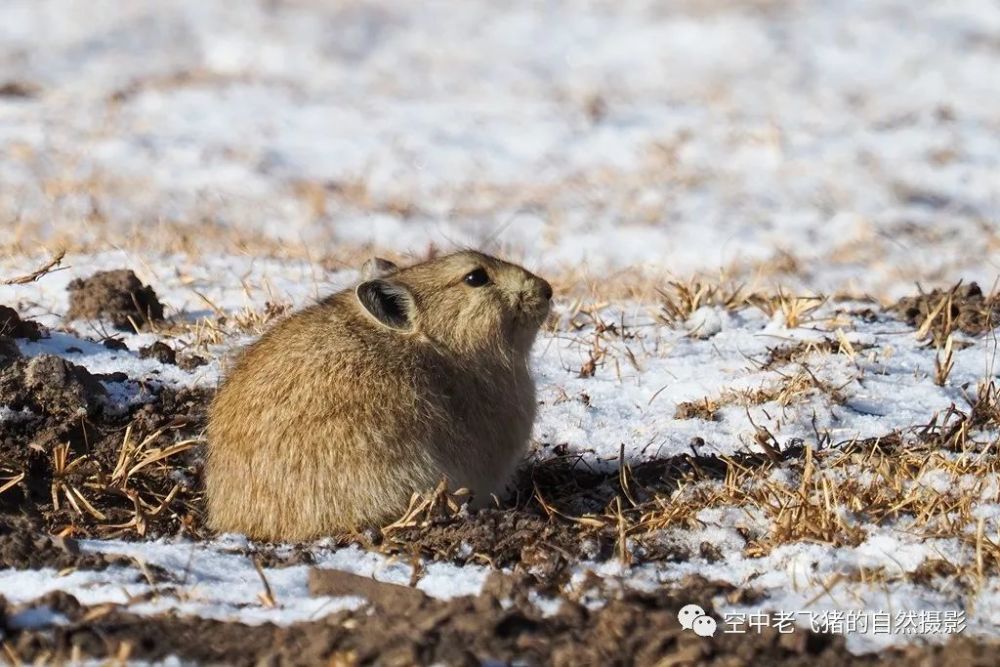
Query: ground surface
x=764 y=389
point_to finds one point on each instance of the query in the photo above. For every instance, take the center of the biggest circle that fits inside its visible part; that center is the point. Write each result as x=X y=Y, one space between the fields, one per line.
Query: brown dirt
x=51 y=386
x=8 y=351
x=702 y=409
x=19 y=89
x=117 y=296
x=69 y=443
x=632 y=629
x=189 y=362
x=23 y=545
x=114 y=344
x=963 y=307
x=12 y=325
x=506 y=538
x=168 y=355
x=159 y=351
x=782 y=355
x=383 y=595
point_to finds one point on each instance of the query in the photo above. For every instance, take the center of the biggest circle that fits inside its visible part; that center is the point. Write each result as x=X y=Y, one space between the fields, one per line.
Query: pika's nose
x=546 y=290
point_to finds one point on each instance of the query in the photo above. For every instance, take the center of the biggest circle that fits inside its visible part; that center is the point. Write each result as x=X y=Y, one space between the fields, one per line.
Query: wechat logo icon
x=693 y=617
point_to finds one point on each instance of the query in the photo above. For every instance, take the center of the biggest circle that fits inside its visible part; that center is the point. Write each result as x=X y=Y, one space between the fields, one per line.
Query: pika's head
x=468 y=302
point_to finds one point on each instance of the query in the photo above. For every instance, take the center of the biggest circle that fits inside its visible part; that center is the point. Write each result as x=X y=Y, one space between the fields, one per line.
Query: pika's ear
x=389 y=304
x=376 y=267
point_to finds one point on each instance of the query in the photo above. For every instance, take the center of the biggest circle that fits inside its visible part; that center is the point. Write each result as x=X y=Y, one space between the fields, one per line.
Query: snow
x=6 y=414
x=850 y=136
x=888 y=390
x=827 y=147
x=808 y=579
x=218 y=580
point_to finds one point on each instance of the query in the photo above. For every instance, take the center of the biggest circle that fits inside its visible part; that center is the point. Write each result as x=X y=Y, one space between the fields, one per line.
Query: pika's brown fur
x=337 y=415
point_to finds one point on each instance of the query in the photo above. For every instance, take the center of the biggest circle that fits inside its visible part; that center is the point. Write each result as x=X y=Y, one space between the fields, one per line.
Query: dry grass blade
x=8 y=650
x=161 y=454
x=266 y=596
x=423 y=509
x=48 y=267
x=551 y=511
x=61 y=465
x=76 y=499
x=925 y=328
x=164 y=504
x=129 y=462
x=944 y=361
x=621 y=523
x=846 y=347
x=11 y=482
x=624 y=473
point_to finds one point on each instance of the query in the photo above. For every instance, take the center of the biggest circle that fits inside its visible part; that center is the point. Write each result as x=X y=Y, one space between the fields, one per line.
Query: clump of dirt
x=963 y=307
x=23 y=546
x=12 y=325
x=114 y=344
x=118 y=296
x=168 y=355
x=702 y=409
x=335 y=583
x=159 y=351
x=191 y=362
x=50 y=385
x=798 y=351
x=8 y=351
x=19 y=89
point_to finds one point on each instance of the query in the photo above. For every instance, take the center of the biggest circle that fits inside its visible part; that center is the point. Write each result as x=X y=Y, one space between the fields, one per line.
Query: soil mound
x=8 y=351
x=118 y=296
x=12 y=325
x=963 y=307
x=50 y=385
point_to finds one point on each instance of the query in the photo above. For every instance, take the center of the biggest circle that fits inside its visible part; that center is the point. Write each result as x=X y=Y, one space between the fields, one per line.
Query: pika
x=339 y=413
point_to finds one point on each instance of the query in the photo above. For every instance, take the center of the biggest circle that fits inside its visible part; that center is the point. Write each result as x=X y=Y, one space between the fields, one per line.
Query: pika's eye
x=476 y=278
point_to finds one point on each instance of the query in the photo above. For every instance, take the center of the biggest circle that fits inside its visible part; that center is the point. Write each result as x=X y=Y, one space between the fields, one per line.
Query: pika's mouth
x=532 y=311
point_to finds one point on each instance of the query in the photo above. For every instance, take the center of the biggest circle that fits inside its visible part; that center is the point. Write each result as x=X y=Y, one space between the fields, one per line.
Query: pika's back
x=339 y=413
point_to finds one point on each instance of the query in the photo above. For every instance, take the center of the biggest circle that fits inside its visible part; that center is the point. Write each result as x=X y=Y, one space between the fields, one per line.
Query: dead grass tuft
x=795 y=310
x=939 y=314
x=681 y=299
x=802 y=350
x=788 y=390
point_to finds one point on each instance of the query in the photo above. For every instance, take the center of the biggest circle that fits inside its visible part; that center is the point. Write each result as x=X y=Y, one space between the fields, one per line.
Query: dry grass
x=90 y=494
x=944 y=361
x=204 y=332
x=679 y=300
x=928 y=483
x=940 y=314
x=788 y=390
x=803 y=350
x=190 y=239
x=795 y=310
x=43 y=270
